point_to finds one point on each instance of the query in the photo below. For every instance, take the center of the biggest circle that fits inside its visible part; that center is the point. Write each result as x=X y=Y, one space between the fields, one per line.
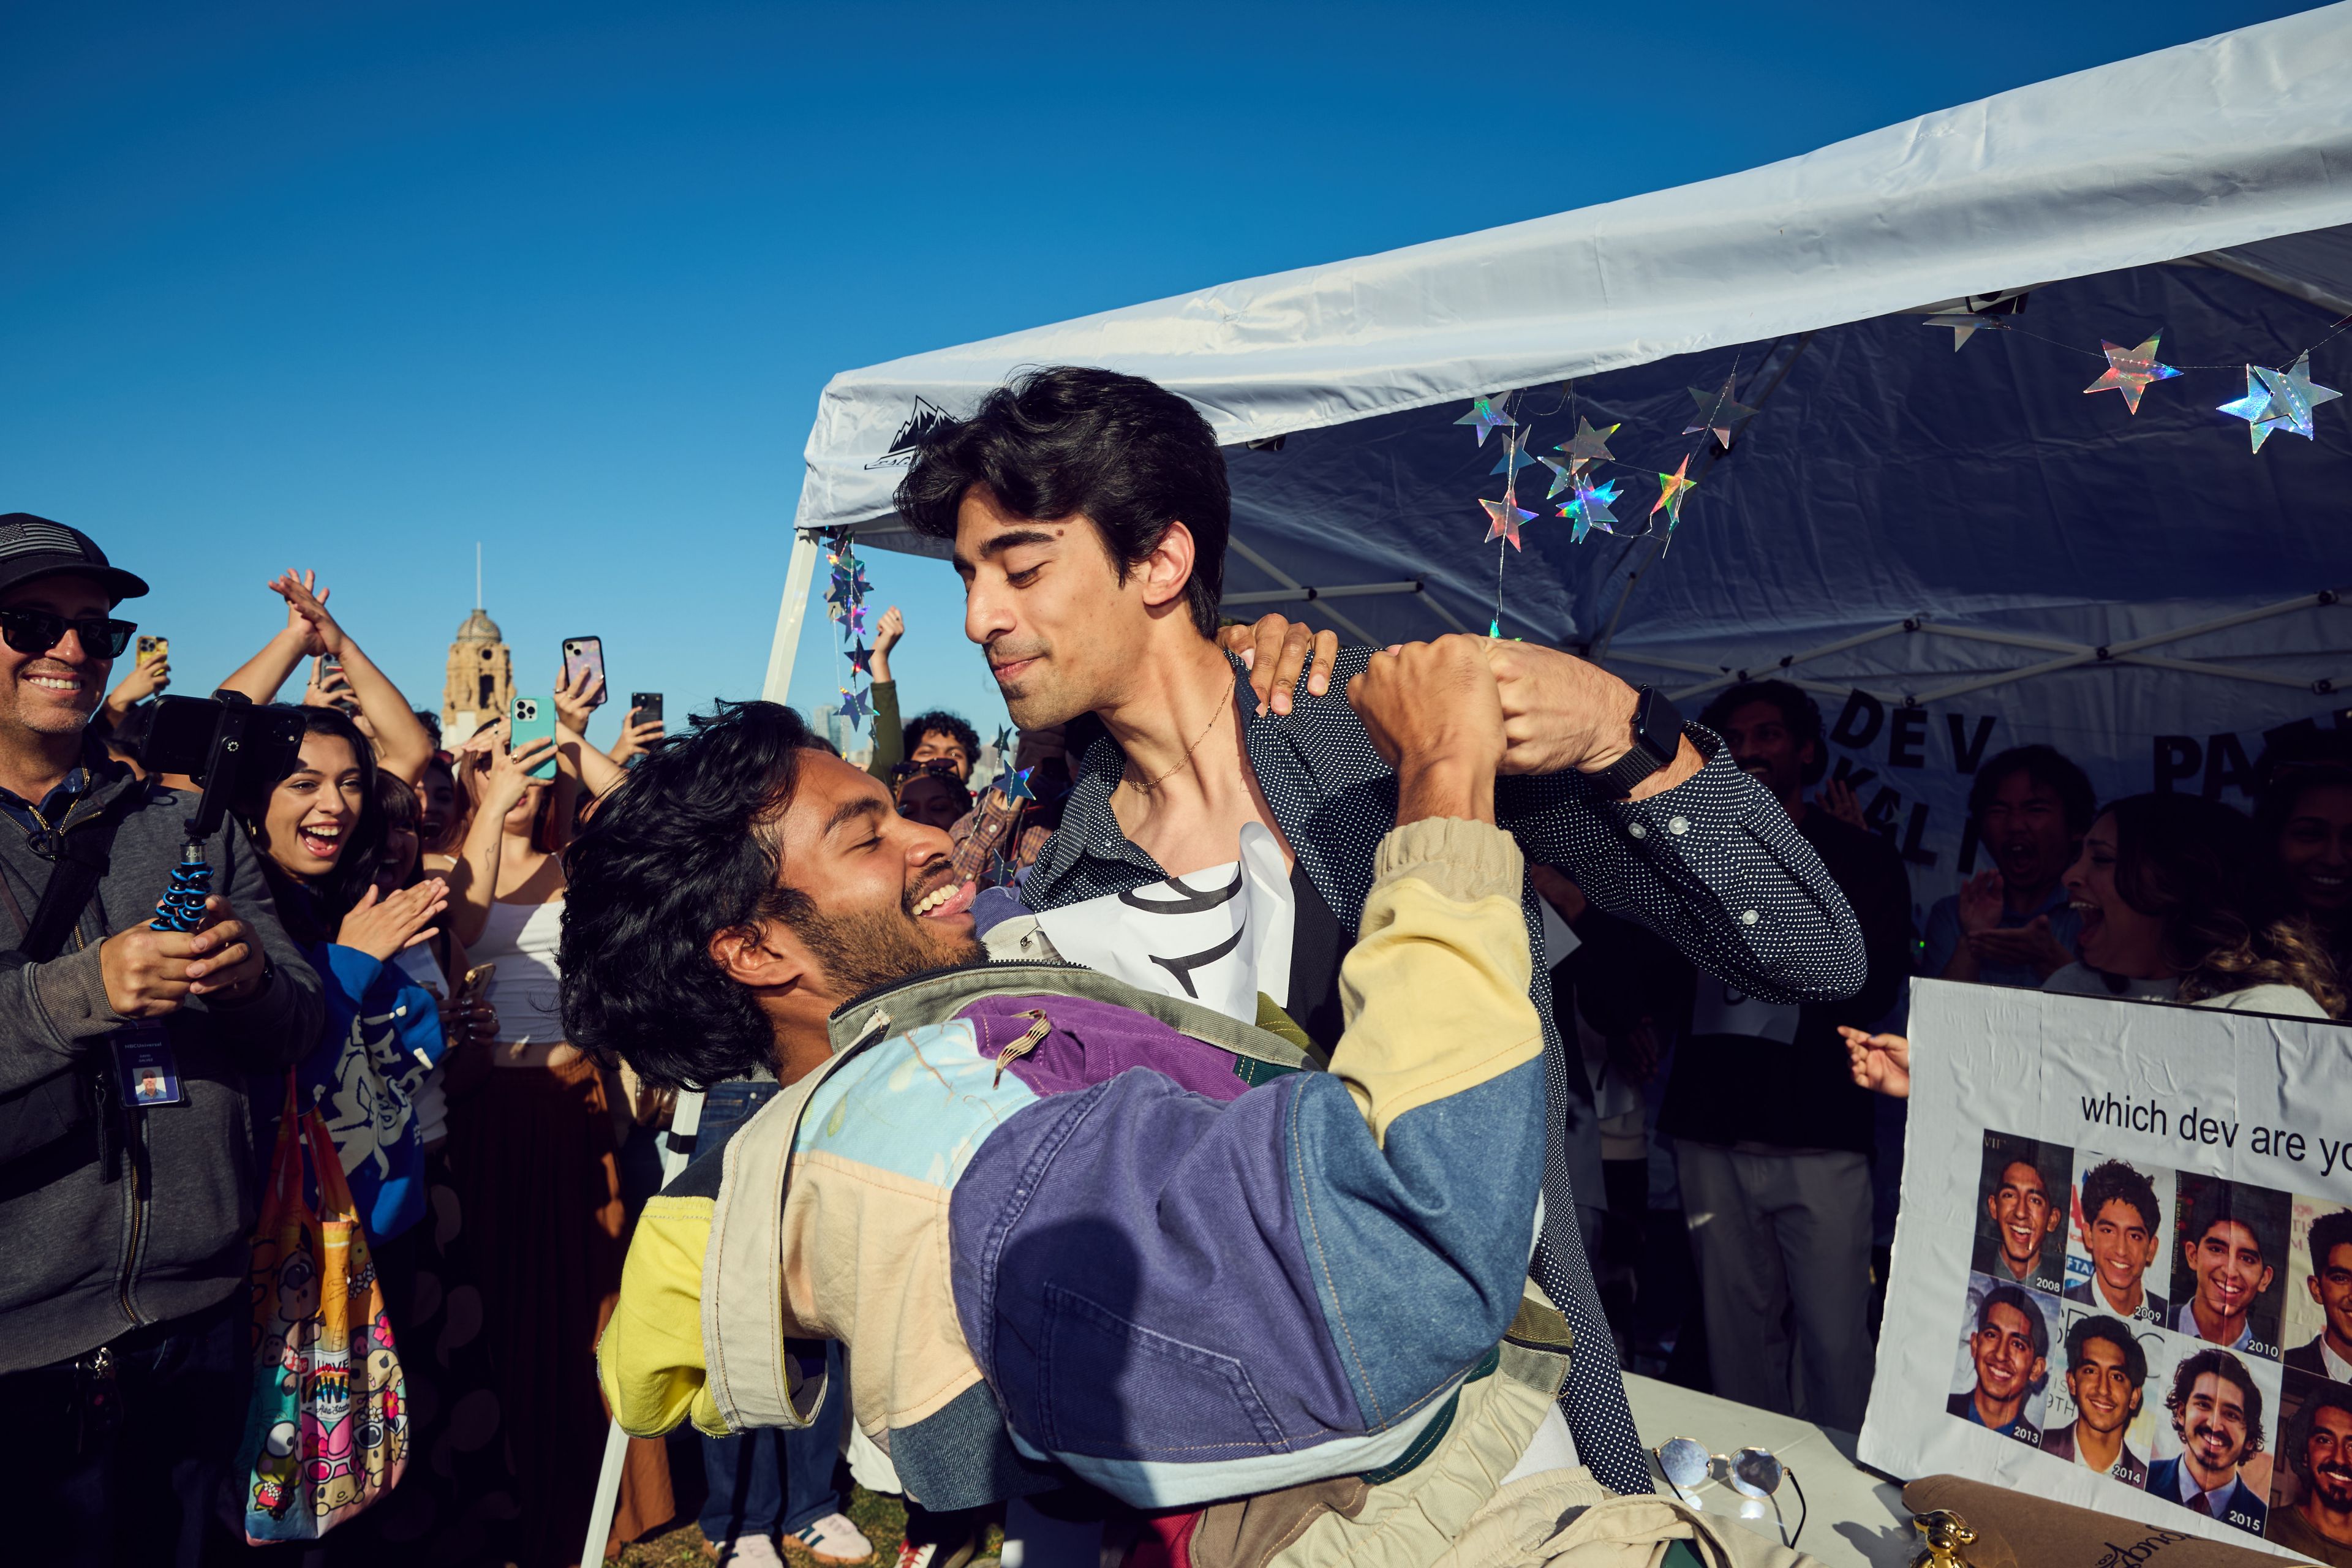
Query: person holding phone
x=535 y=1152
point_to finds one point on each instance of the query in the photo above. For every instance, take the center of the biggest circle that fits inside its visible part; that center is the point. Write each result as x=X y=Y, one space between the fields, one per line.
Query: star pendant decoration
x=861 y=660
x=1564 y=475
x=1587 y=445
x=2280 y=400
x=1512 y=459
x=1719 y=413
x=1964 y=322
x=1671 y=490
x=2129 y=371
x=1486 y=416
x=1017 y=786
x=857 y=707
x=1004 y=744
x=1589 y=511
x=853 y=620
x=1503 y=518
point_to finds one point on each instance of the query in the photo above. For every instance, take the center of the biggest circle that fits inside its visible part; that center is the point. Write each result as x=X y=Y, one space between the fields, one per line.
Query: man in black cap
x=127 y=1185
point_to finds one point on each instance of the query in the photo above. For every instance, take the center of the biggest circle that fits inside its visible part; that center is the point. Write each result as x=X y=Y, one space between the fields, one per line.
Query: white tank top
x=526 y=991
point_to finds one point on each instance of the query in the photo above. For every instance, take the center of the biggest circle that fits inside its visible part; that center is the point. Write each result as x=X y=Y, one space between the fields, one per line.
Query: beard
x=864 y=951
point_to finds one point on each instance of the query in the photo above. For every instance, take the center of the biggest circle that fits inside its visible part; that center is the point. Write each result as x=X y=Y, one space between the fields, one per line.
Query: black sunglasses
x=37 y=631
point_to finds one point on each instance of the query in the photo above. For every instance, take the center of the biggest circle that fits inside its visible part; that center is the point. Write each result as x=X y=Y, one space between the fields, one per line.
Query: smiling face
x=933 y=801
x=1763 y=747
x=2328 y=1457
x=2007 y=1366
x=2022 y=1216
x=883 y=901
x=436 y=801
x=2331 y=1286
x=2102 y=1386
x=311 y=813
x=2212 y=1425
x=941 y=746
x=2121 y=1247
x=2024 y=827
x=54 y=692
x=2314 y=850
x=2114 y=937
x=1045 y=602
x=2230 y=1270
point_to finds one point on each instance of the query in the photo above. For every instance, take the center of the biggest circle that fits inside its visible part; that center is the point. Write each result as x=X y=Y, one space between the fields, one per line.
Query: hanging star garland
x=1018 y=789
x=1718 y=412
x=1589 y=511
x=857 y=707
x=1587 y=446
x=1486 y=416
x=1512 y=459
x=861 y=660
x=2280 y=400
x=2130 y=371
x=1503 y=518
x=1963 y=323
x=1564 y=475
x=1672 y=488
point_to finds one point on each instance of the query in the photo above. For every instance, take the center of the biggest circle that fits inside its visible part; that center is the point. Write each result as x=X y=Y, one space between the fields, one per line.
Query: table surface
x=1857 y=1521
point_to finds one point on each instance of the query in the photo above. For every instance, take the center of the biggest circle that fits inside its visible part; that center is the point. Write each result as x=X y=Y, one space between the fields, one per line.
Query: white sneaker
x=745 y=1551
x=835 y=1542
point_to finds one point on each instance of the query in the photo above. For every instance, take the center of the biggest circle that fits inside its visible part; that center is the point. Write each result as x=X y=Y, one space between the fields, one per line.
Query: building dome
x=479 y=628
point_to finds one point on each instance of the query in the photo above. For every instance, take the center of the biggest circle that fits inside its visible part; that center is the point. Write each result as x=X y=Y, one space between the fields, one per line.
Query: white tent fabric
x=2203 y=191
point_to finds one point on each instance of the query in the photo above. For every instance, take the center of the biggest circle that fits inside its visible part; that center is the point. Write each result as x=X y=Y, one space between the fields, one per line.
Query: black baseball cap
x=34 y=547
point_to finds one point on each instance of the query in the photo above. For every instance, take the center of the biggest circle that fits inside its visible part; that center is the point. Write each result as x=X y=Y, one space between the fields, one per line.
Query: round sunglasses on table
x=37 y=631
x=1752 y=1472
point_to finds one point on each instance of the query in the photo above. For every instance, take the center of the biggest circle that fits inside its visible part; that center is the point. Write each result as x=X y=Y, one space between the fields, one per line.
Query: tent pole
x=788 y=617
x=1233 y=542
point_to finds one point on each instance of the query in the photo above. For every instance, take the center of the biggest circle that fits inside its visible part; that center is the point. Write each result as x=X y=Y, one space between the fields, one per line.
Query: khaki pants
x=1782 y=1243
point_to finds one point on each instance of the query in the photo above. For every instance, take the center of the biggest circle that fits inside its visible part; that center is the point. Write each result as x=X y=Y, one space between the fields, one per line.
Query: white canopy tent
x=1959 y=552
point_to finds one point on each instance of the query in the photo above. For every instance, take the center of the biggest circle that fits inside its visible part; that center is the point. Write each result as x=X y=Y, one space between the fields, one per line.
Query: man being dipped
x=1061 y=1236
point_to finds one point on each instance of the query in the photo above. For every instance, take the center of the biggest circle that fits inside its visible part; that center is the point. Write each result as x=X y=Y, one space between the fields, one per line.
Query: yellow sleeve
x=1435 y=990
x=650 y=1360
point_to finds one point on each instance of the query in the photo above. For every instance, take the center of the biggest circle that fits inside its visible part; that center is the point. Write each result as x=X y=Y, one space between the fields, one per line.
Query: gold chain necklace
x=1154 y=782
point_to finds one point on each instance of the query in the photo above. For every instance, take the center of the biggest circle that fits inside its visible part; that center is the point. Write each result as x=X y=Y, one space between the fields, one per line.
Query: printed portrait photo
x=2101 y=1409
x=2318 y=1319
x=2117 y=1260
x=2007 y=1358
x=2213 y=1449
x=2229 y=1264
x=2021 y=1202
x=2311 y=1479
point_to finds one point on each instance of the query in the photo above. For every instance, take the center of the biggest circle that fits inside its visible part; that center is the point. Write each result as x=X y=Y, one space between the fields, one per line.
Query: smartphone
x=478 y=980
x=153 y=650
x=585 y=657
x=647 y=705
x=533 y=719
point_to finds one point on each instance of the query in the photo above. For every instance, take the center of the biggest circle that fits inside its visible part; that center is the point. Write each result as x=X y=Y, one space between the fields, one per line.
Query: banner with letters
x=2123 y=1273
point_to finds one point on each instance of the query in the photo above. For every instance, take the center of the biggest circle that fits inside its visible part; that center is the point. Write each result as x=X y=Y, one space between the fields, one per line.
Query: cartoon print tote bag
x=326 y=1431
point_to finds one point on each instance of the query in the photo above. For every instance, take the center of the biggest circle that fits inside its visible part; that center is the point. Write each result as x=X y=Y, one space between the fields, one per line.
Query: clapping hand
x=1837 y=799
x=306 y=612
x=2032 y=943
x=1980 y=901
x=383 y=927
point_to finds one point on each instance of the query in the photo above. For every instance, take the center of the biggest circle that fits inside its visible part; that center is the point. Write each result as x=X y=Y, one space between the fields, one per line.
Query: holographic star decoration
x=852 y=621
x=1718 y=412
x=2280 y=400
x=857 y=707
x=1486 y=416
x=1564 y=475
x=1016 y=787
x=1589 y=511
x=1671 y=488
x=2129 y=371
x=1964 y=322
x=1587 y=446
x=861 y=660
x=1004 y=745
x=1503 y=518
x=1512 y=459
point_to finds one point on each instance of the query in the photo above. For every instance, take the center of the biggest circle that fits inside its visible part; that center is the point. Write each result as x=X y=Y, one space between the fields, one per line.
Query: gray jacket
x=133 y=1216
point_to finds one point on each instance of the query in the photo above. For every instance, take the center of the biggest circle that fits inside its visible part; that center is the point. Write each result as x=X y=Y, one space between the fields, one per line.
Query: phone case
x=646 y=705
x=154 y=650
x=533 y=719
x=585 y=657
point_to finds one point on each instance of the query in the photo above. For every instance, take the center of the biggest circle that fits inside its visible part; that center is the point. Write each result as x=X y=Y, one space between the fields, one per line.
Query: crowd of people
x=1524 y=956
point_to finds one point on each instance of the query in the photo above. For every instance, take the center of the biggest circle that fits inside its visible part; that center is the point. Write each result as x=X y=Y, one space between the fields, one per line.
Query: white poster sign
x=2122 y=1274
x=1218 y=936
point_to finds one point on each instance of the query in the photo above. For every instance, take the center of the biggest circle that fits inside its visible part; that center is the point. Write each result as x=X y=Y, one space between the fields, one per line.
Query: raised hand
x=509 y=771
x=886 y=632
x=1980 y=901
x=1432 y=712
x=1836 y=797
x=306 y=612
x=576 y=700
x=635 y=737
x=383 y=927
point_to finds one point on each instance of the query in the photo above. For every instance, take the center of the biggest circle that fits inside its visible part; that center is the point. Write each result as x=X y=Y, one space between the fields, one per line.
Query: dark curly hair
x=2296 y=1440
x=2113 y=1181
x=681 y=850
x=2214 y=1361
x=2328 y=1232
x=310 y=912
x=1798 y=712
x=940 y=721
x=2190 y=862
x=1129 y=455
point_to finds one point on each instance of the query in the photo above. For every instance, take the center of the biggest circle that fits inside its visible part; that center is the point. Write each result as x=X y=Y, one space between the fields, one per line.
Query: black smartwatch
x=1657 y=736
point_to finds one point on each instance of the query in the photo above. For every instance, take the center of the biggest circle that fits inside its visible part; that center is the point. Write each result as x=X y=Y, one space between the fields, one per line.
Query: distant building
x=480 y=681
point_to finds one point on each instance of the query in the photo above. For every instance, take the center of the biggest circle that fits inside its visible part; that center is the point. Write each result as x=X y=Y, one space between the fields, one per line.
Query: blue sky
x=355 y=286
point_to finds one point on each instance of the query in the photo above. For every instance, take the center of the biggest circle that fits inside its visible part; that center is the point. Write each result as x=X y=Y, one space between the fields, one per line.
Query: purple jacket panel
x=1092 y=1042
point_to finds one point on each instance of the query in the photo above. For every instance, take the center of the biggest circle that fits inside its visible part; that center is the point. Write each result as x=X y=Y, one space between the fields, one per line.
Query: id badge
x=145 y=1071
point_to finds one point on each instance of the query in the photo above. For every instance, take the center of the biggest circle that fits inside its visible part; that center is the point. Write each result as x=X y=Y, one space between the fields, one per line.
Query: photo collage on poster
x=2189 y=1336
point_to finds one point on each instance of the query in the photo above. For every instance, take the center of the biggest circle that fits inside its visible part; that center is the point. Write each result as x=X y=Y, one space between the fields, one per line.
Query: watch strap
x=1657 y=736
